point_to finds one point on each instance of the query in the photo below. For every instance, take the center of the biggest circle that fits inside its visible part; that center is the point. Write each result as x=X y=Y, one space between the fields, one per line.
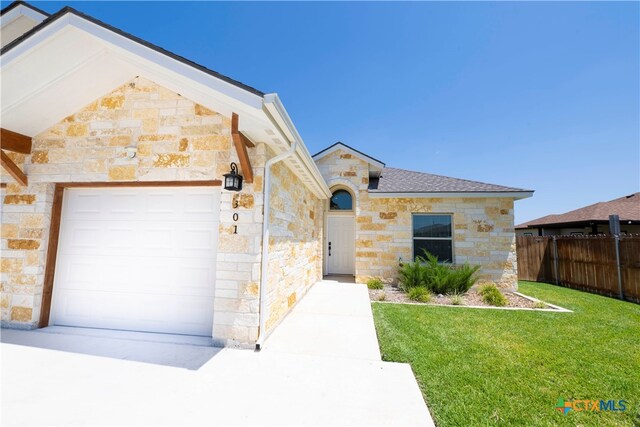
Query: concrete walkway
x=320 y=367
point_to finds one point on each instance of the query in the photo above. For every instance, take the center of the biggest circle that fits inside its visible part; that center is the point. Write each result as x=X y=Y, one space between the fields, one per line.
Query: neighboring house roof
x=627 y=208
x=394 y=180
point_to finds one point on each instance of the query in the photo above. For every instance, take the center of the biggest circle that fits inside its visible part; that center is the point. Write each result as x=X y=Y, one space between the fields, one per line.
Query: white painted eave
x=85 y=61
x=21 y=10
x=284 y=123
x=517 y=195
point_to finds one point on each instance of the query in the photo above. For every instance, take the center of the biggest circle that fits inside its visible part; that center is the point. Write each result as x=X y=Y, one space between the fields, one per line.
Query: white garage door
x=140 y=259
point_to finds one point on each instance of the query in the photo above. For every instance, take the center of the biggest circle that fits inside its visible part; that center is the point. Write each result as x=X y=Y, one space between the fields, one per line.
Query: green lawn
x=486 y=367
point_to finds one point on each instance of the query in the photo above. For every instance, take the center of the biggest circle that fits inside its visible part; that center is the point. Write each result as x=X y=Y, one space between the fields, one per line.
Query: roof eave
x=517 y=195
x=276 y=109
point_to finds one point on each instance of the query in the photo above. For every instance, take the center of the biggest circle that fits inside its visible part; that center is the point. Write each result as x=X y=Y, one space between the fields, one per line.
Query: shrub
x=420 y=294
x=539 y=304
x=492 y=295
x=456 y=299
x=411 y=275
x=437 y=277
x=374 y=283
x=382 y=296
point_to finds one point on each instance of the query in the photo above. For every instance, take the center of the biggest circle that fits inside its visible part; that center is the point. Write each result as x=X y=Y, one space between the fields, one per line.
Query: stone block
x=77 y=129
x=21 y=314
x=122 y=173
x=19 y=199
x=23 y=244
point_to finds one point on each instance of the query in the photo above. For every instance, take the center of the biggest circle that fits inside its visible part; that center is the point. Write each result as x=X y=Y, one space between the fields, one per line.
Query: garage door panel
x=150 y=274
x=137 y=259
x=149 y=312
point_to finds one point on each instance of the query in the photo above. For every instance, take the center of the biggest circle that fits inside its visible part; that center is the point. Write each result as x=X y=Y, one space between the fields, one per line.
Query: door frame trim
x=56 y=217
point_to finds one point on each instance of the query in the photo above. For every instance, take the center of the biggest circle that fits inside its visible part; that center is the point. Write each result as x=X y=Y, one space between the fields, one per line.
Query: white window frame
x=413 y=238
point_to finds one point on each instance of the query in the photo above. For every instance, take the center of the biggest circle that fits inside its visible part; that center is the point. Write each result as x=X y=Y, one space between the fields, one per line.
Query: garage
x=137 y=258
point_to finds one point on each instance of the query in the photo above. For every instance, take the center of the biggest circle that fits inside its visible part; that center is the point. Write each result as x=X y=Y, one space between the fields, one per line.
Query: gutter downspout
x=262 y=333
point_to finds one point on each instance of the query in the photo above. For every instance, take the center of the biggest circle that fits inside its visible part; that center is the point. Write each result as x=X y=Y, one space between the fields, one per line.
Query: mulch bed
x=392 y=293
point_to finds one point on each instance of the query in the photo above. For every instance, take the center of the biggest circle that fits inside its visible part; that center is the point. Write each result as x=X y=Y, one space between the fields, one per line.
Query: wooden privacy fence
x=583 y=262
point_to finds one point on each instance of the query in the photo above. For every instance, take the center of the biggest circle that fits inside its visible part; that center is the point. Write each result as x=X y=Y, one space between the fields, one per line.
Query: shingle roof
x=394 y=180
x=627 y=208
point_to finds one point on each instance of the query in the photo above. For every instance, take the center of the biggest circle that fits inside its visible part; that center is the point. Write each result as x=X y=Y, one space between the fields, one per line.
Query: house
x=393 y=215
x=592 y=219
x=114 y=215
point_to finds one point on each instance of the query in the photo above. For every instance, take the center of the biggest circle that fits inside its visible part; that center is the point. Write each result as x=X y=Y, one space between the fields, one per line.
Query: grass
x=500 y=367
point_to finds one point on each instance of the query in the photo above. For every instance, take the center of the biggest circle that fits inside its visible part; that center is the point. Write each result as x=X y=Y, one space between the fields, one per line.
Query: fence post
x=617 y=243
x=555 y=260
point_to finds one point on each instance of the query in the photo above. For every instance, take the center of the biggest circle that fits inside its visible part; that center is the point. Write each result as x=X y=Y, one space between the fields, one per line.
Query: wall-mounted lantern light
x=232 y=180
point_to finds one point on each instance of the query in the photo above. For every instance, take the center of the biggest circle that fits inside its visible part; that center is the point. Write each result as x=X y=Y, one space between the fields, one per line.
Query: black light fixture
x=232 y=180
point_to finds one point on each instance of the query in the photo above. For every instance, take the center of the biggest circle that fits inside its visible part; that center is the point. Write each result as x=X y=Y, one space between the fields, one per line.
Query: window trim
x=353 y=199
x=452 y=238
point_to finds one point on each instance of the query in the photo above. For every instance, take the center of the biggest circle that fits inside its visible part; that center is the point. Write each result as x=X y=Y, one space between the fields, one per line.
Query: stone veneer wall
x=295 y=242
x=483 y=227
x=176 y=140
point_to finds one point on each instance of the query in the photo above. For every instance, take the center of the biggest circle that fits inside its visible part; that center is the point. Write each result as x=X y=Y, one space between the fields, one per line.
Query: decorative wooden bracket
x=241 y=142
x=14 y=141
x=13 y=169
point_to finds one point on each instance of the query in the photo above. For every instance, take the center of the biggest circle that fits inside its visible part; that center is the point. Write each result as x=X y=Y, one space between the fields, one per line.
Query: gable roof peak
x=342 y=146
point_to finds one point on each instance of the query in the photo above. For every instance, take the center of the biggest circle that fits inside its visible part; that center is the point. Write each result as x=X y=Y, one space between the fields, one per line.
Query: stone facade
x=295 y=242
x=483 y=227
x=176 y=140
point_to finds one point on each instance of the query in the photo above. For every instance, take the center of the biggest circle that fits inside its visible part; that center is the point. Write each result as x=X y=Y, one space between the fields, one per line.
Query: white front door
x=140 y=259
x=341 y=245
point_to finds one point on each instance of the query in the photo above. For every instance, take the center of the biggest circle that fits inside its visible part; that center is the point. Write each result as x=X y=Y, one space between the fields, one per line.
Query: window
x=341 y=200
x=577 y=233
x=434 y=234
x=528 y=234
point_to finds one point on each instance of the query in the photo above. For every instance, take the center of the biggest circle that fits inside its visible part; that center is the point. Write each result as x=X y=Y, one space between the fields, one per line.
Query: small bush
x=374 y=283
x=410 y=275
x=420 y=294
x=492 y=295
x=456 y=299
x=437 y=277
x=539 y=304
x=382 y=296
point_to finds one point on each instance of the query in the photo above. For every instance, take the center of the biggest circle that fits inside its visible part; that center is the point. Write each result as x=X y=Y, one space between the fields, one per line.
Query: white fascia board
x=340 y=146
x=19 y=11
x=279 y=114
x=517 y=195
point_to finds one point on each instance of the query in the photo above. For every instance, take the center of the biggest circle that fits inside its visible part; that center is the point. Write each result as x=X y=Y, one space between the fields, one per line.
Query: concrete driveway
x=320 y=367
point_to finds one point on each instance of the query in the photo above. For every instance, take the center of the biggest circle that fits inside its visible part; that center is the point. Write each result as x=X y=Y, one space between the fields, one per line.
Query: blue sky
x=543 y=96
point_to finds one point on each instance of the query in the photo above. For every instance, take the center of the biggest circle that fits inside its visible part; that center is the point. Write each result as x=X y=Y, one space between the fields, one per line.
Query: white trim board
x=21 y=10
x=341 y=146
